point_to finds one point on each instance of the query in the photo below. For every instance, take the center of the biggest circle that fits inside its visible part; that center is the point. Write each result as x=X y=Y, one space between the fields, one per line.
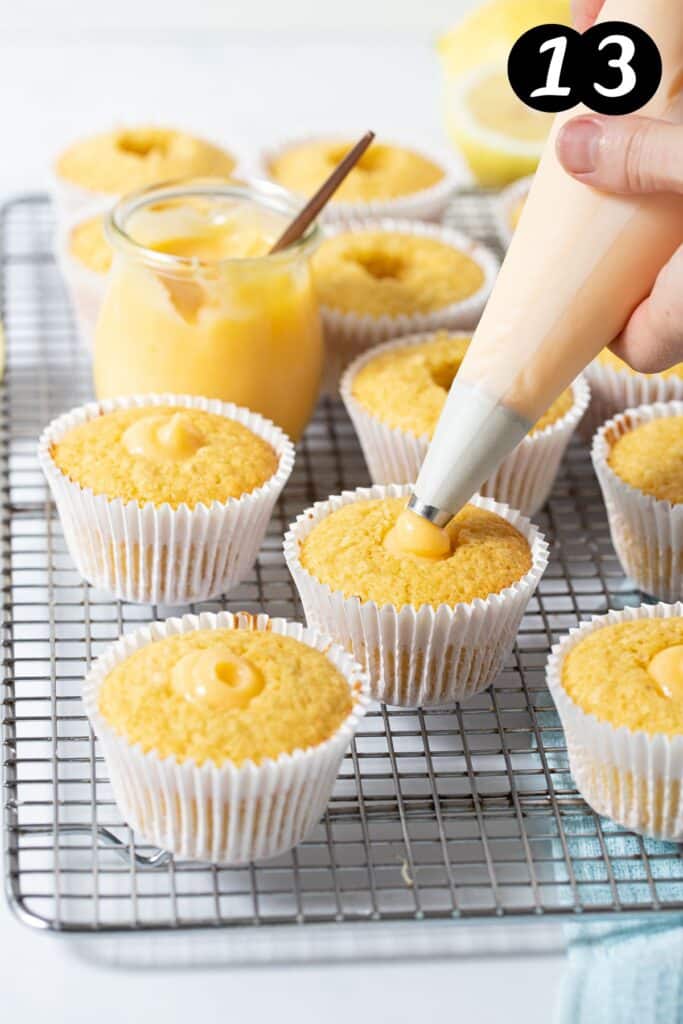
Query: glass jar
x=244 y=329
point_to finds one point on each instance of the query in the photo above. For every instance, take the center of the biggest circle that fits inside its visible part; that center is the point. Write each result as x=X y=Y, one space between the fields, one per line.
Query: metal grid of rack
x=465 y=813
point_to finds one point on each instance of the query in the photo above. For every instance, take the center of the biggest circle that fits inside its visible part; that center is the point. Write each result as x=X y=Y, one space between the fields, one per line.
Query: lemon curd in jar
x=195 y=305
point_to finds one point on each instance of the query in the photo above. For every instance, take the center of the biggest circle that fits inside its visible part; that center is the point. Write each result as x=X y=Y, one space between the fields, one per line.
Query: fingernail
x=578 y=145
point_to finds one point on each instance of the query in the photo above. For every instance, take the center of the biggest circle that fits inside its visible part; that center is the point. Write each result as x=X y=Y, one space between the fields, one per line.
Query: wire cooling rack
x=461 y=814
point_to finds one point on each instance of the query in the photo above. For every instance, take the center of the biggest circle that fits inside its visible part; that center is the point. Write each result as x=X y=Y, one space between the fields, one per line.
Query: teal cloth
x=628 y=970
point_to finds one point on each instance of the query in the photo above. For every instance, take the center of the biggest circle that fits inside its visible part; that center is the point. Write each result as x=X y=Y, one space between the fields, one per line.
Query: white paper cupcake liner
x=155 y=553
x=226 y=814
x=634 y=778
x=613 y=391
x=524 y=479
x=418 y=656
x=505 y=205
x=73 y=203
x=348 y=335
x=85 y=288
x=647 y=533
x=429 y=204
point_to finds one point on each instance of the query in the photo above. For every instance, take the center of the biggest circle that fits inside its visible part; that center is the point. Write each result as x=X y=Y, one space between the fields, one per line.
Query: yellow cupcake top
x=225 y=695
x=129 y=158
x=630 y=673
x=406 y=387
x=165 y=454
x=386 y=273
x=89 y=247
x=346 y=550
x=383 y=172
x=611 y=361
x=650 y=458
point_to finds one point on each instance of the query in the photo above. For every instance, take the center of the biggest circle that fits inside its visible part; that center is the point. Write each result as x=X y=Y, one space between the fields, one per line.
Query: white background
x=64 y=16
x=246 y=72
x=243 y=71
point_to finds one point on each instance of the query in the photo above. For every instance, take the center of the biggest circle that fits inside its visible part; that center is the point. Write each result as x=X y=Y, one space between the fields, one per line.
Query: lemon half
x=500 y=137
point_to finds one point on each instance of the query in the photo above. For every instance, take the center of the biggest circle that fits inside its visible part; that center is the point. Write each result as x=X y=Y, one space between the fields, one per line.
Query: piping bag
x=579 y=263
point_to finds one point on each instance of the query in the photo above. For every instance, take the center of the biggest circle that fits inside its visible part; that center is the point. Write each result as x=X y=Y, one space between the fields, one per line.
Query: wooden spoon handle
x=310 y=211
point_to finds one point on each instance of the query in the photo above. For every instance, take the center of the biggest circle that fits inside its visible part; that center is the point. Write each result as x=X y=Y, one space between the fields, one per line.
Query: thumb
x=630 y=155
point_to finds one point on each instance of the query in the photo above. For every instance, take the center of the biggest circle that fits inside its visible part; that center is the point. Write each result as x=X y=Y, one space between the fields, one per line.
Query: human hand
x=636 y=156
x=632 y=156
x=584 y=12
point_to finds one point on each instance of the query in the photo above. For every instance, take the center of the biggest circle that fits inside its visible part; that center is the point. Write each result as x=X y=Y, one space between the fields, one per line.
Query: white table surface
x=247 y=89
x=44 y=977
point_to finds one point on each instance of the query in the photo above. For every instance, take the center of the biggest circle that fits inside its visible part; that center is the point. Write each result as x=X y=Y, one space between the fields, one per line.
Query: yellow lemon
x=499 y=136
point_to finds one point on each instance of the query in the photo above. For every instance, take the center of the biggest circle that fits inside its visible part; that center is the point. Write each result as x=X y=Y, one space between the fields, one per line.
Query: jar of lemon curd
x=195 y=305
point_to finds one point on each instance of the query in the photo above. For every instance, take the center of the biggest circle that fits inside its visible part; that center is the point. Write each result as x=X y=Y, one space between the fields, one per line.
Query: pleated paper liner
x=155 y=553
x=226 y=814
x=634 y=778
x=418 y=656
x=524 y=479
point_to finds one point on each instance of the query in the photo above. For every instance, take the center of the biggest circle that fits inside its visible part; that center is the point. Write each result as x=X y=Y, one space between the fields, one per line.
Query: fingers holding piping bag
x=636 y=156
x=652 y=340
x=626 y=155
x=584 y=13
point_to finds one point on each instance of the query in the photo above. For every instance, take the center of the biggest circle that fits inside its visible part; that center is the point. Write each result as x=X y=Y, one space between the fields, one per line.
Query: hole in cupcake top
x=142 y=143
x=381 y=265
x=443 y=373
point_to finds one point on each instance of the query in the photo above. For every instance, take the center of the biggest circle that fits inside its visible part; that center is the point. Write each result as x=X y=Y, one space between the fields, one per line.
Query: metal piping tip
x=438 y=516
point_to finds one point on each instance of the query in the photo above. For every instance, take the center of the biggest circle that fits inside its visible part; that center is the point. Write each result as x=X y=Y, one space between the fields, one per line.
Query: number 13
x=558 y=45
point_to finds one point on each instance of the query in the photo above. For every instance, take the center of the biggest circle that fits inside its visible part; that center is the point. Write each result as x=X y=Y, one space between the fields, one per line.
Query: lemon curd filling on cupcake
x=630 y=674
x=608 y=359
x=384 y=273
x=383 y=172
x=225 y=695
x=164 y=454
x=130 y=158
x=348 y=551
x=650 y=458
x=406 y=387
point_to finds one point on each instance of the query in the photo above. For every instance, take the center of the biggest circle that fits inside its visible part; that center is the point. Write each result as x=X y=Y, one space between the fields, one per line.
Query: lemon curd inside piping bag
x=579 y=263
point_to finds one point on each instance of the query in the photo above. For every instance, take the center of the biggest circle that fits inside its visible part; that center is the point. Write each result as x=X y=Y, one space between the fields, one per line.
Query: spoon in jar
x=319 y=199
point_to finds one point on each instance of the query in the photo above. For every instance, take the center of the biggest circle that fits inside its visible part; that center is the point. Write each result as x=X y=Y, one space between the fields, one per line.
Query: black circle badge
x=544 y=68
x=624 y=68
x=613 y=68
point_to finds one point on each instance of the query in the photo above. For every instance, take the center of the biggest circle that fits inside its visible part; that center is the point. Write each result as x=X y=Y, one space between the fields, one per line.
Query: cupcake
x=223 y=734
x=105 y=166
x=388 y=181
x=638 y=459
x=428 y=632
x=617 y=682
x=616 y=387
x=383 y=279
x=508 y=207
x=84 y=258
x=164 y=498
x=395 y=393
